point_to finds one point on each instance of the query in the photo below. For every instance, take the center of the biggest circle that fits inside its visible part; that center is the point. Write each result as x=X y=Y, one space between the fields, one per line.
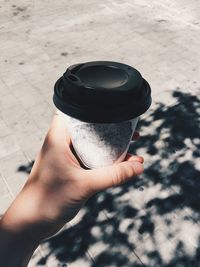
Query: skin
x=56 y=189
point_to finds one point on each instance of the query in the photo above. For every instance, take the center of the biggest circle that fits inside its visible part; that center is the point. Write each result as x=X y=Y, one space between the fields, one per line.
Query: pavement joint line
x=12 y=153
x=160 y=37
x=7 y=186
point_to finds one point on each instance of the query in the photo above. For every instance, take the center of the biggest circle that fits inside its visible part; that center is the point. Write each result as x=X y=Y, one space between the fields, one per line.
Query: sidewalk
x=155 y=221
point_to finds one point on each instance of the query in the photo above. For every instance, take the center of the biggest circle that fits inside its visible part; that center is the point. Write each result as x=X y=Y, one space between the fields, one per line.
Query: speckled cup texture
x=100 y=144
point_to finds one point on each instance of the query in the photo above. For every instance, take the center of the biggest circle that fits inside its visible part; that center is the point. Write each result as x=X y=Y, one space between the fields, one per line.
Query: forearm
x=24 y=226
x=21 y=229
x=16 y=247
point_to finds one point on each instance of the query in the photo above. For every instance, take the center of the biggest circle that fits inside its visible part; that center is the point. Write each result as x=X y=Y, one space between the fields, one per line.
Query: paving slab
x=155 y=220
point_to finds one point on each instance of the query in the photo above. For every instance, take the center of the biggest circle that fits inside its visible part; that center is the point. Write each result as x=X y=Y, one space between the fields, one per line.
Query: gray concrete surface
x=38 y=40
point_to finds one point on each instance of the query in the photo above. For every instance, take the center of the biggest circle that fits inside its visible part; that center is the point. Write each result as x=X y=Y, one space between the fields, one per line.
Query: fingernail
x=136 y=158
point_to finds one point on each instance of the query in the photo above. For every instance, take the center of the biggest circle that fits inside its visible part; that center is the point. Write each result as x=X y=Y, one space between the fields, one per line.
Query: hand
x=58 y=186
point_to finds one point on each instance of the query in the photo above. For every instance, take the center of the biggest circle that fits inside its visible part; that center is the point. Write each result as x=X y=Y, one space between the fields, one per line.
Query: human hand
x=58 y=186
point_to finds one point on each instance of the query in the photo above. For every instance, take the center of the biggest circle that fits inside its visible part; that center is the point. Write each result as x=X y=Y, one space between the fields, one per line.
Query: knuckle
x=131 y=170
x=49 y=140
x=122 y=174
x=118 y=176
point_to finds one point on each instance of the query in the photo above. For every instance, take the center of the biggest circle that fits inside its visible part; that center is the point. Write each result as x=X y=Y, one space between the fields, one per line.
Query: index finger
x=58 y=130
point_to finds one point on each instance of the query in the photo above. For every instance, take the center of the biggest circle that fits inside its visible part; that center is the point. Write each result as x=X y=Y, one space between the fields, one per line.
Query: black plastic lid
x=102 y=92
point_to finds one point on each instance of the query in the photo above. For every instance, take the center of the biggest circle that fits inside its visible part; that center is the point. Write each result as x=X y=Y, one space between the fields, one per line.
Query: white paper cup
x=100 y=144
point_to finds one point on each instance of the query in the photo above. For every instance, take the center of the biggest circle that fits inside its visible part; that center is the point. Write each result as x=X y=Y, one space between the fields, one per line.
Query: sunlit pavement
x=153 y=221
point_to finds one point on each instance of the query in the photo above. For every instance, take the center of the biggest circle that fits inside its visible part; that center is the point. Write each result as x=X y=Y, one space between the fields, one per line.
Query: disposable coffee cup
x=102 y=102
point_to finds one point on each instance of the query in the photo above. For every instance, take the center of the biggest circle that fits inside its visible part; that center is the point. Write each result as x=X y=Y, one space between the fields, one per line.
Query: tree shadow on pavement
x=26 y=168
x=154 y=219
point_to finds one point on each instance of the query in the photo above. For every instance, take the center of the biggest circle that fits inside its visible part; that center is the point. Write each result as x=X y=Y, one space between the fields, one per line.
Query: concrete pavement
x=39 y=39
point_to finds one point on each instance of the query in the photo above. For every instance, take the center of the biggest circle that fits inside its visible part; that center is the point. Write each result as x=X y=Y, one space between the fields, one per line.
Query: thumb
x=116 y=174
